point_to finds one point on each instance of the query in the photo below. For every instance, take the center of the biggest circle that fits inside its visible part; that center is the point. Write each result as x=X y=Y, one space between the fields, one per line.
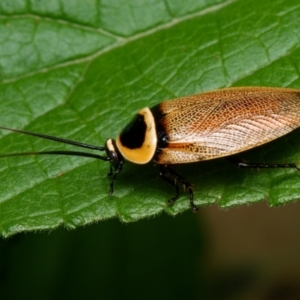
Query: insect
x=219 y=123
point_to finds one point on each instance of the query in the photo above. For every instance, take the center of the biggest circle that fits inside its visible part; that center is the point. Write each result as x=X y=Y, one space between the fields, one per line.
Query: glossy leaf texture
x=81 y=69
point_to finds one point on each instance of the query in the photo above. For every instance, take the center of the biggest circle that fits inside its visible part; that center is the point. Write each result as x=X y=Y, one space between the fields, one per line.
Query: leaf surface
x=81 y=69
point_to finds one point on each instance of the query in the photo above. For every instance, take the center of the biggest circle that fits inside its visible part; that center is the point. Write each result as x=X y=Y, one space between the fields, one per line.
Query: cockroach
x=215 y=124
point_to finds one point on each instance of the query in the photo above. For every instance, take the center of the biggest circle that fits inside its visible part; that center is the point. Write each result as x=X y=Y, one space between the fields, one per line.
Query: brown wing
x=225 y=122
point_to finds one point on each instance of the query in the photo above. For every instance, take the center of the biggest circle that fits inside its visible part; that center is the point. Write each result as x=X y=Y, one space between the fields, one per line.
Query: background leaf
x=80 y=70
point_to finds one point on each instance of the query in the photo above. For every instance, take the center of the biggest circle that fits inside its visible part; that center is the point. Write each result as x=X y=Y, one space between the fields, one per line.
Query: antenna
x=58 y=152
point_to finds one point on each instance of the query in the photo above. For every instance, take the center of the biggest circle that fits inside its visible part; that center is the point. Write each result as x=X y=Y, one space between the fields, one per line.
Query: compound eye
x=112 y=151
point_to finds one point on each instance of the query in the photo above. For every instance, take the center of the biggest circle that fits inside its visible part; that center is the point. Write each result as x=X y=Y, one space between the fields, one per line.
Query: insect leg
x=245 y=164
x=164 y=171
x=110 y=173
x=114 y=173
x=111 y=187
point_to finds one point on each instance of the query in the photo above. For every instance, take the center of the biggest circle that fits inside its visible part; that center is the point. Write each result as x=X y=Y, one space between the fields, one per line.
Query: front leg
x=113 y=172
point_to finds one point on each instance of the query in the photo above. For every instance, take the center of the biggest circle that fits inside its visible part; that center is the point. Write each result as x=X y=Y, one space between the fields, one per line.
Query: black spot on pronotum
x=133 y=135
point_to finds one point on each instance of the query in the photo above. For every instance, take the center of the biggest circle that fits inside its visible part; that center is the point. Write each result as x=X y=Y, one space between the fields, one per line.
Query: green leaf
x=80 y=70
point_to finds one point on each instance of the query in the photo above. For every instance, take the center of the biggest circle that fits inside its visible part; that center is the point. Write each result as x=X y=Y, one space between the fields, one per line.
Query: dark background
x=240 y=253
